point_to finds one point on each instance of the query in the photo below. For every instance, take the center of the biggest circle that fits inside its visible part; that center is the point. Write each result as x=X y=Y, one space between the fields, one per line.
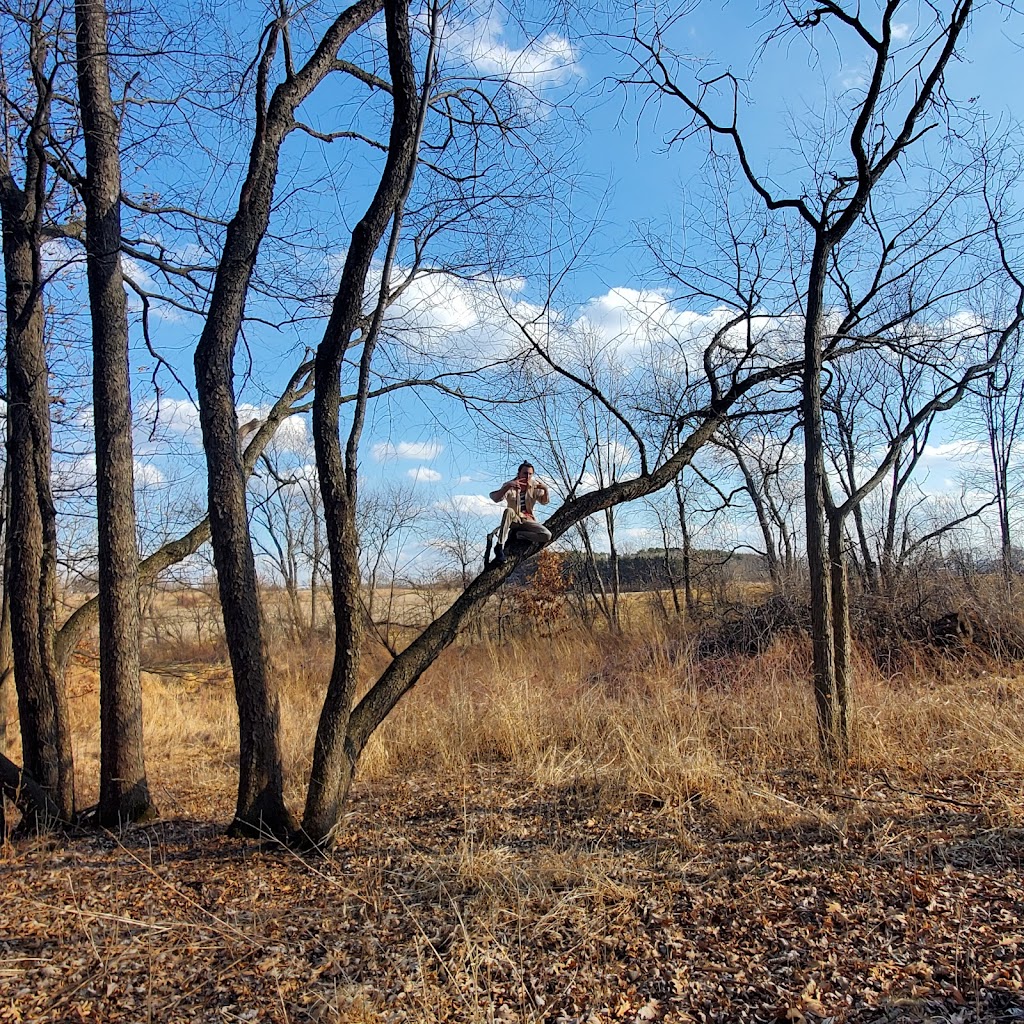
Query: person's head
x=525 y=472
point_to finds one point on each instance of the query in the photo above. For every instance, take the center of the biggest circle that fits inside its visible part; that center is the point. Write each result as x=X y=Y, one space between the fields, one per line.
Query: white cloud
x=293 y=434
x=645 y=536
x=146 y=474
x=954 y=450
x=442 y=316
x=180 y=417
x=385 y=451
x=423 y=474
x=626 y=324
x=177 y=415
x=472 y=504
x=61 y=255
x=549 y=60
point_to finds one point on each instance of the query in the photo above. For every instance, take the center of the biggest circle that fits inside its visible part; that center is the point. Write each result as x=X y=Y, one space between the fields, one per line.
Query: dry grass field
x=578 y=828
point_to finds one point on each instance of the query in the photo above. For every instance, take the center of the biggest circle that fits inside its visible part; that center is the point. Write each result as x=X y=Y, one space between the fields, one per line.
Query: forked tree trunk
x=334 y=752
x=124 y=789
x=260 y=806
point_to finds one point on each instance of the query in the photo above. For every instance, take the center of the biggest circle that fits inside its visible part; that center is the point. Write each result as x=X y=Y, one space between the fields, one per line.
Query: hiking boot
x=499 y=554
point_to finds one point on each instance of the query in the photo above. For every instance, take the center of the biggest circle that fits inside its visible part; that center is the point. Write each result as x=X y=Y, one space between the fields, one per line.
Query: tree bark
x=42 y=701
x=6 y=646
x=334 y=755
x=124 y=788
x=32 y=527
x=260 y=804
x=815 y=510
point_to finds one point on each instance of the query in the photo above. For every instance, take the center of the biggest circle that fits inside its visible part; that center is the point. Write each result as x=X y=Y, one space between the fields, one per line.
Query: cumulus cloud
x=386 y=451
x=293 y=434
x=438 y=315
x=471 y=504
x=625 y=325
x=61 y=255
x=549 y=60
x=424 y=474
x=178 y=416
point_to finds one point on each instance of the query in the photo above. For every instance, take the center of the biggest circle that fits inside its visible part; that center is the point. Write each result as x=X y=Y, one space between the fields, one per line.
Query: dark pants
x=528 y=530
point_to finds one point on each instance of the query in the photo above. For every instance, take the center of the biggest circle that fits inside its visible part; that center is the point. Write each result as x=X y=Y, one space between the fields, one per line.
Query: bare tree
x=260 y=805
x=333 y=763
x=27 y=212
x=124 y=790
x=836 y=215
x=762 y=451
x=1000 y=399
x=388 y=516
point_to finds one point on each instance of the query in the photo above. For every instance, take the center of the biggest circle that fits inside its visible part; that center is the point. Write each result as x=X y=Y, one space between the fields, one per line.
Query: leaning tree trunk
x=124 y=789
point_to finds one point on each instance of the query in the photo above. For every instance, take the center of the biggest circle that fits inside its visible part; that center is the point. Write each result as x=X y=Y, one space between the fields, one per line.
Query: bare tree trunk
x=816 y=508
x=684 y=527
x=334 y=755
x=757 y=500
x=670 y=574
x=42 y=701
x=124 y=789
x=843 y=642
x=613 y=565
x=6 y=647
x=595 y=582
x=32 y=526
x=260 y=806
x=314 y=573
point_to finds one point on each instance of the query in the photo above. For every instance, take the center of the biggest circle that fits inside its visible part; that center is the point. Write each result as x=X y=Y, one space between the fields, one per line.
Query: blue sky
x=628 y=180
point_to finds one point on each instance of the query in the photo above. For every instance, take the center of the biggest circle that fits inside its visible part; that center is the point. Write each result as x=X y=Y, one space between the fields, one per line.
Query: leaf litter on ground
x=485 y=898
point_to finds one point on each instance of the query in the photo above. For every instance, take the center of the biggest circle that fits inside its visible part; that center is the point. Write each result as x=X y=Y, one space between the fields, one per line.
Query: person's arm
x=541 y=492
x=498 y=496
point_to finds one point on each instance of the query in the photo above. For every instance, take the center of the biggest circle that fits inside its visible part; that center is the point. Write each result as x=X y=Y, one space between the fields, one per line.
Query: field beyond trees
x=576 y=827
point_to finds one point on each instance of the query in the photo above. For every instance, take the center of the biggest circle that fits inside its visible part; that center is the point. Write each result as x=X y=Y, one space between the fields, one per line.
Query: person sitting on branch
x=518 y=522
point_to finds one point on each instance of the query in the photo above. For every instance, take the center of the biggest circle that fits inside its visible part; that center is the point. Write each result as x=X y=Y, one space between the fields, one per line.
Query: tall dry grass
x=640 y=715
x=633 y=716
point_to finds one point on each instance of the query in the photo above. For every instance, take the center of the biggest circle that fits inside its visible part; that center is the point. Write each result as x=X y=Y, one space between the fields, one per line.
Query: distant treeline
x=655 y=568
